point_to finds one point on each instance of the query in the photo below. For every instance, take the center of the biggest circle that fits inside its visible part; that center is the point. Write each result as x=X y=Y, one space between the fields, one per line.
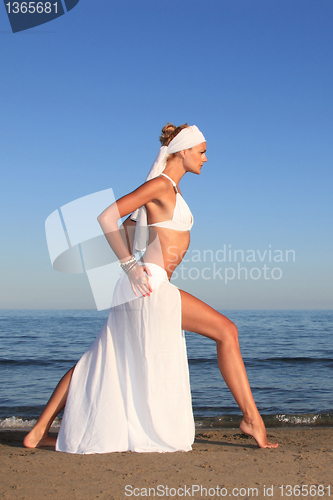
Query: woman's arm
x=128 y=232
x=108 y=221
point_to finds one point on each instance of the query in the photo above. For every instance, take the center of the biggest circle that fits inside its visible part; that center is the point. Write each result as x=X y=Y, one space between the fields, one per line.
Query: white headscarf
x=186 y=139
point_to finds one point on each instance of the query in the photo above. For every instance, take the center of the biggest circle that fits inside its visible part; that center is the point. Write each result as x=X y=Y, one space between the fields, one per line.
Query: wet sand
x=223 y=463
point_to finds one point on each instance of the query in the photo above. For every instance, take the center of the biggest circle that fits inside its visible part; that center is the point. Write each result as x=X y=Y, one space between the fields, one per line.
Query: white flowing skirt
x=131 y=390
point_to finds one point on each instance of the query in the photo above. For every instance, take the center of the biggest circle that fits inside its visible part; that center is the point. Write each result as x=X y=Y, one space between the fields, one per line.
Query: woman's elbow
x=100 y=217
x=109 y=218
x=105 y=221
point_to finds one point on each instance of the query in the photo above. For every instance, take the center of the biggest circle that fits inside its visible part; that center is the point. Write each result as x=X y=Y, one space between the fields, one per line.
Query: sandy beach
x=223 y=463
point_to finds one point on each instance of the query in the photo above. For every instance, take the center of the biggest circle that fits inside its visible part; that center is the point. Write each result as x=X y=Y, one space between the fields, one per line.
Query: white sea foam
x=19 y=423
x=298 y=419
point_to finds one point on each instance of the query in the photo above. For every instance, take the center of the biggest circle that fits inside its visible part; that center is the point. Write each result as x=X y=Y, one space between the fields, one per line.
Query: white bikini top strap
x=173 y=182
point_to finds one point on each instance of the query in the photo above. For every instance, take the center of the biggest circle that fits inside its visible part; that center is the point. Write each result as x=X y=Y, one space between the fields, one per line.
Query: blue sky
x=83 y=99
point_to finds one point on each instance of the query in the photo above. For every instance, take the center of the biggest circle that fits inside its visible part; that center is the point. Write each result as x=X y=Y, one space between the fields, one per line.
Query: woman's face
x=195 y=157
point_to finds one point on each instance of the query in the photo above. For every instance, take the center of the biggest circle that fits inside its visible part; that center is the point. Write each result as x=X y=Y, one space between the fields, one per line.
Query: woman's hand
x=138 y=277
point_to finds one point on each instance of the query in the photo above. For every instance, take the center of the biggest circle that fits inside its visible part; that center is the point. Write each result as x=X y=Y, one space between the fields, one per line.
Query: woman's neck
x=174 y=169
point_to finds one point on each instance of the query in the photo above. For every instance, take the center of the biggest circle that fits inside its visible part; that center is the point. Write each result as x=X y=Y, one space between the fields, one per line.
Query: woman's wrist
x=125 y=259
x=129 y=264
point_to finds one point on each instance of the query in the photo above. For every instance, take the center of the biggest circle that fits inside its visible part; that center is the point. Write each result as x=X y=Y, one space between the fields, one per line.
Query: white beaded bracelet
x=130 y=264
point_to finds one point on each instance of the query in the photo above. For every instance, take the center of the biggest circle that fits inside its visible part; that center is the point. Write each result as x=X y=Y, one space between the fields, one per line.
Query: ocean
x=288 y=357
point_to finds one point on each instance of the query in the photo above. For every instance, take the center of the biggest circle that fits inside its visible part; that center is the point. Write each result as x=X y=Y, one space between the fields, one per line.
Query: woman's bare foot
x=36 y=439
x=257 y=430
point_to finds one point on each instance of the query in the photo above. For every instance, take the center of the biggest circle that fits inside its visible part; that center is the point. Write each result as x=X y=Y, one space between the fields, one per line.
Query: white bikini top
x=182 y=219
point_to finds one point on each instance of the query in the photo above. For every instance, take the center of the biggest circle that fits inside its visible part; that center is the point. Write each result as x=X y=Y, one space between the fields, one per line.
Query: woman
x=130 y=390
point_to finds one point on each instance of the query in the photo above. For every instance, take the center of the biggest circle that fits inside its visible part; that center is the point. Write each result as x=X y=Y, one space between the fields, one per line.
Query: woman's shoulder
x=159 y=185
x=156 y=189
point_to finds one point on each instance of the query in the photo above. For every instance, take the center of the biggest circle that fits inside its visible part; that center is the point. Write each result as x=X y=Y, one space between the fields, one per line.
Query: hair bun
x=166 y=133
x=169 y=132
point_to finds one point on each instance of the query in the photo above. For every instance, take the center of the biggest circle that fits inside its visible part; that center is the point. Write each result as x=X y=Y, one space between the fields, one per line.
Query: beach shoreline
x=227 y=421
x=221 y=458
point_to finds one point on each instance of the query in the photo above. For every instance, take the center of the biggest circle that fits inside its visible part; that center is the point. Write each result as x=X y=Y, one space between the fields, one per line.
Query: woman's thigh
x=199 y=317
